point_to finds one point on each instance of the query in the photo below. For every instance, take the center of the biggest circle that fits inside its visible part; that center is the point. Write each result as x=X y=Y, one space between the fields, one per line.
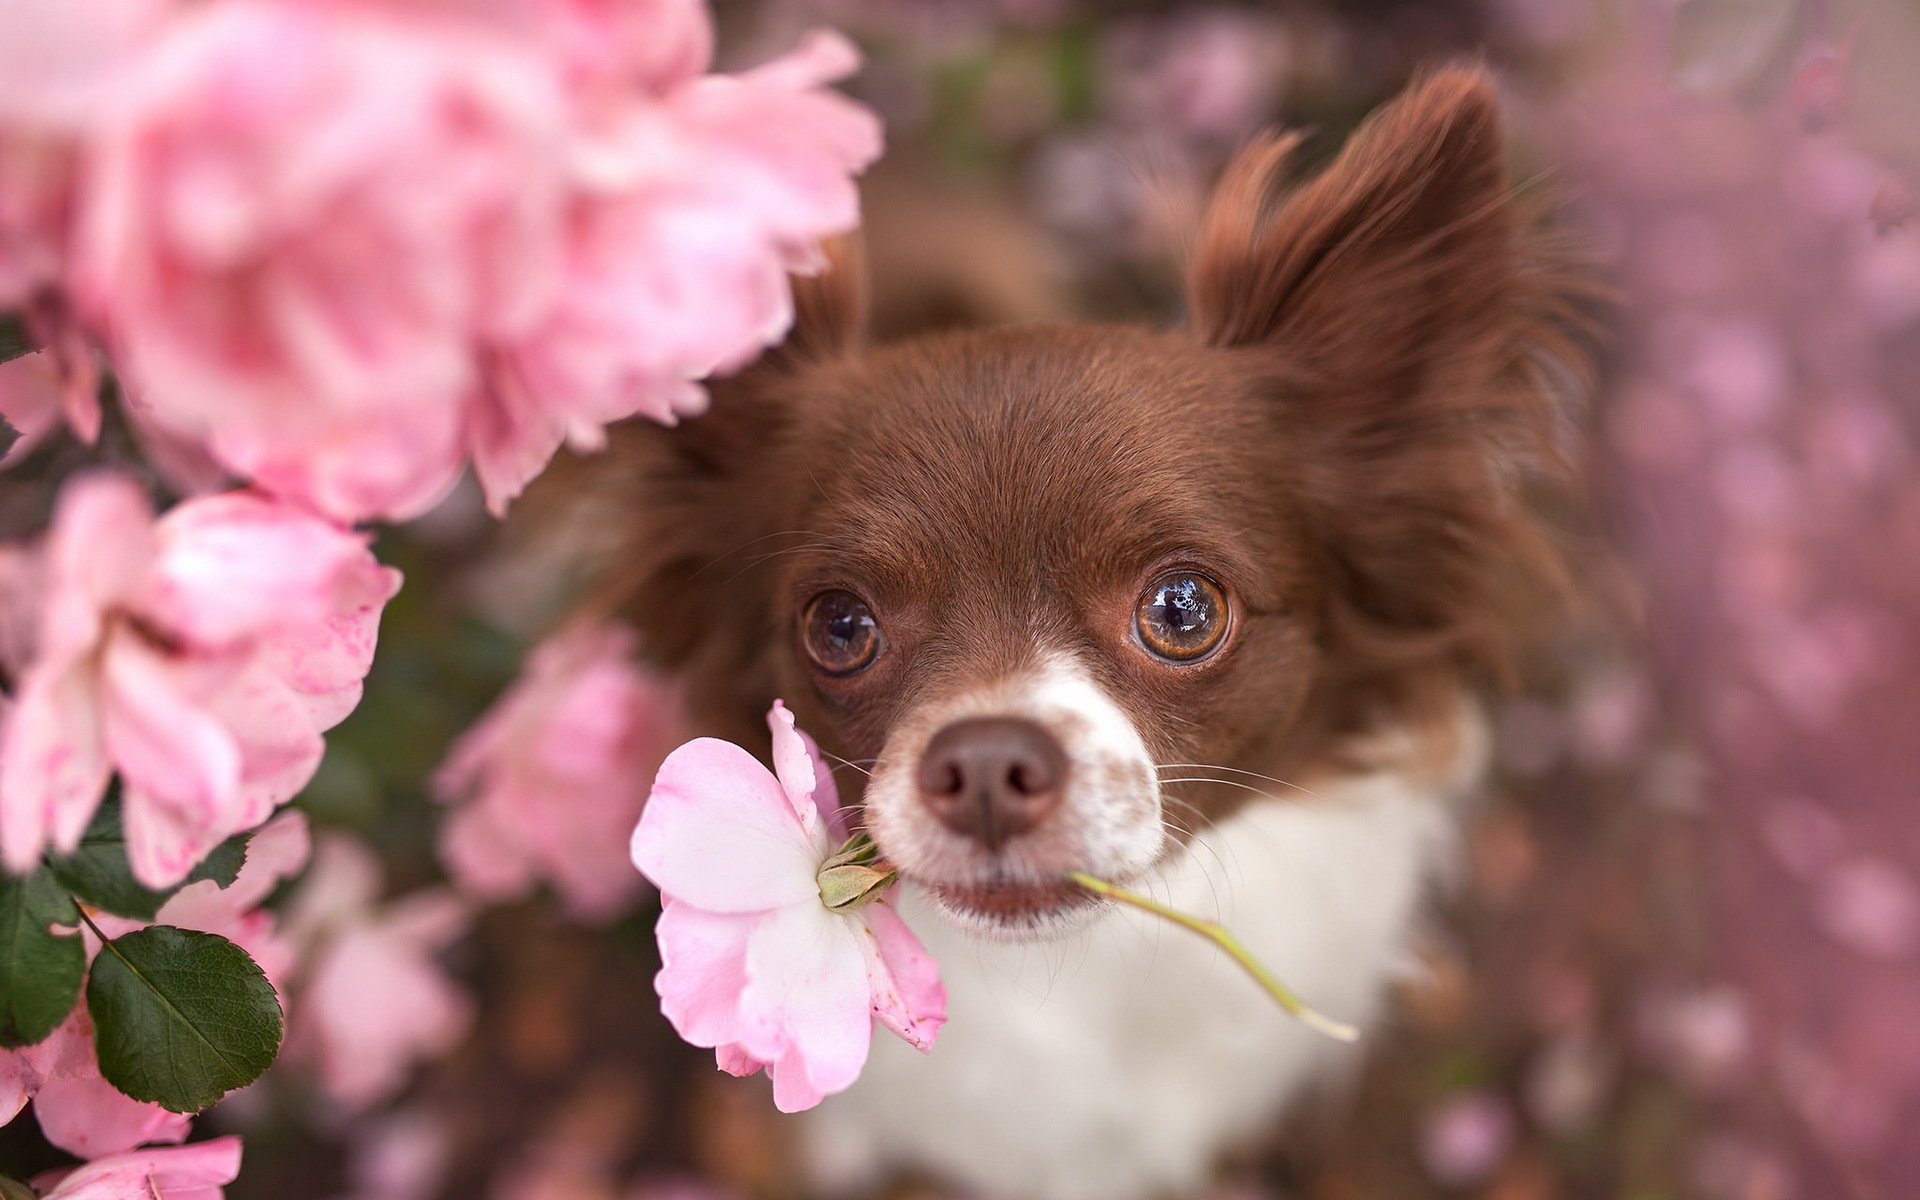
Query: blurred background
x=1685 y=960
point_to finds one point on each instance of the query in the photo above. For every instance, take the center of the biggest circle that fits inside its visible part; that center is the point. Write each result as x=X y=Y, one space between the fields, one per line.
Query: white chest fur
x=1118 y=1063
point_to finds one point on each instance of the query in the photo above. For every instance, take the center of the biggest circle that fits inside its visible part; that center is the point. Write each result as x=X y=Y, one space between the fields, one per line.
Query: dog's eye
x=1181 y=617
x=840 y=633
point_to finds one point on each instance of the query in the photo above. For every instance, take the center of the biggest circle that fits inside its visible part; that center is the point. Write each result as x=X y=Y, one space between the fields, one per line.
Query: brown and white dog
x=1202 y=611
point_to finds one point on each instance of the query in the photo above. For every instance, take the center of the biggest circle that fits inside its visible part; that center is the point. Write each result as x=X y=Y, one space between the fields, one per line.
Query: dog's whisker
x=1234 y=771
x=847 y=762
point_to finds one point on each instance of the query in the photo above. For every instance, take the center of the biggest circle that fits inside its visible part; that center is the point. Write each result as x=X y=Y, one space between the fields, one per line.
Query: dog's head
x=1026 y=576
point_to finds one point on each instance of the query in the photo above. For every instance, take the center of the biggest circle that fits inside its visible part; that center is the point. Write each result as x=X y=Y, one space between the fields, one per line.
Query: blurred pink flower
x=298 y=221
x=1466 y=1137
x=691 y=202
x=58 y=63
x=753 y=962
x=199 y=656
x=37 y=395
x=549 y=782
x=1870 y=905
x=79 y=1111
x=193 y=1172
x=370 y=1001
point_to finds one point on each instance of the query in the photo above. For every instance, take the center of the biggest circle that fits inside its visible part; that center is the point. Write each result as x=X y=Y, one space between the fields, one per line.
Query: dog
x=1207 y=612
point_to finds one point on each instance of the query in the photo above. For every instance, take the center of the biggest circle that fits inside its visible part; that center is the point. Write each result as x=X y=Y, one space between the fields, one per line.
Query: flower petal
x=719 y=833
x=908 y=996
x=87 y=1116
x=807 y=977
x=703 y=971
x=53 y=766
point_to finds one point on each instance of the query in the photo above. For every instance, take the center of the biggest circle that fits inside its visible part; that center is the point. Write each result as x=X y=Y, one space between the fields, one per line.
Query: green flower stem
x=1218 y=935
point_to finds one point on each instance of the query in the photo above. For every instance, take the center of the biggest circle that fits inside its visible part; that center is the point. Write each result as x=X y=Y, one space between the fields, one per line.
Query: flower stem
x=1218 y=935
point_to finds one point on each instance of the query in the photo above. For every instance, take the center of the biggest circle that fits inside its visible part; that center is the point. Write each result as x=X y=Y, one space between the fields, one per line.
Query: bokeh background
x=1684 y=960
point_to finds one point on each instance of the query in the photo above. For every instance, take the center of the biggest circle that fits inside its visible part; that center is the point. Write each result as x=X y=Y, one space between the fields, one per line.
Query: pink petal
x=53 y=767
x=179 y=767
x=237 y=564
x=703 y=972
x=908 y=996
x=807 y=978
x=720 y=834
x=88 y=1117
x=276 y=852
x=182 y=1173
x=794 y=759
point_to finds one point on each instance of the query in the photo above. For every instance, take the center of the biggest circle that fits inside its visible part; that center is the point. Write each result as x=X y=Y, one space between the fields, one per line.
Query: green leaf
x=181 y=1018
x=13 y=339
x=97 y=870
x=39 y=972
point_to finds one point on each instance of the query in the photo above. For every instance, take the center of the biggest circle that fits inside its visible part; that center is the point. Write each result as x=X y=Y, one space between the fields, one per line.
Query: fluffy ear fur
x=830 y=307
x=1416 y=336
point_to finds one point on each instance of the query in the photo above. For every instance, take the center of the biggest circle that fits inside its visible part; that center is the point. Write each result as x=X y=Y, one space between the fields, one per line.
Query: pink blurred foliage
x=199 y=657
x=1764 y=475
x=753 y=963
x=349 y=247
x=370 y=999
x=549 y=783
x=195 y=1172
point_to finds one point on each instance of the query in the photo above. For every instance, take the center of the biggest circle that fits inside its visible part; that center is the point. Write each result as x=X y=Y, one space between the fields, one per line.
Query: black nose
x=992 y=778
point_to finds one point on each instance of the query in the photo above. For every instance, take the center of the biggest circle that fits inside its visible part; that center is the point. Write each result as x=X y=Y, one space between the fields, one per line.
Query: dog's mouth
x=1010 y=904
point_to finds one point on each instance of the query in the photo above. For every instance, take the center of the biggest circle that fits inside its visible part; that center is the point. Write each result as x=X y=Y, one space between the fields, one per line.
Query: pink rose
x=753 y=962
x=301 y=218
x=199 y=656
x=58 y=62
x=550 y=781
x=193 y=1172
x=371 y=1001
x=692 y=198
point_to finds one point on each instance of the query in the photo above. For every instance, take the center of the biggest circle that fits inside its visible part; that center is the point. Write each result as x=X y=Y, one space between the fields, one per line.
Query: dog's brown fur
x=1346 y=437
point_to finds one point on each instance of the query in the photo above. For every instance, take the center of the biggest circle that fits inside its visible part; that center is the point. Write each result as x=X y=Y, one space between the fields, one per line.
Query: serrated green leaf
x=39 y=972
x=181 y=1018
x=97 y=870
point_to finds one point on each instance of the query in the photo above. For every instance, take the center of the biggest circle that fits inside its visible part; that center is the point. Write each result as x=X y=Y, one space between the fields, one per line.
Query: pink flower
x=692 y=198
x=300 y=219
x=551 y=779
x=37 y=396
x=193 y=1172
x=371 y=1000
x=57 y=64
x=79 y=1111
x=199 y=656
x=753 y=962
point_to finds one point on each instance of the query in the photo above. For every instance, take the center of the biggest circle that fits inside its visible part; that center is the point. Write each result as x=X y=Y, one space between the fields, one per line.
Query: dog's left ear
x=830 y=306
x=1383 y=268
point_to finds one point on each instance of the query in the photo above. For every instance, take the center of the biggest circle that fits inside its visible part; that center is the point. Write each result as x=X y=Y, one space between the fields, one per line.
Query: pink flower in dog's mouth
x=777 y=949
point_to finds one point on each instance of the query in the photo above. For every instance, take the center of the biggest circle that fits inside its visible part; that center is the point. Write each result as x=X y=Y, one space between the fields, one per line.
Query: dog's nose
x=992 y=778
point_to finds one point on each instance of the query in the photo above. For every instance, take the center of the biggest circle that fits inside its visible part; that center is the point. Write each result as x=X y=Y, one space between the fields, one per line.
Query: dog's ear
x=830 y=306
x=1383 y=268
x=1419 y=342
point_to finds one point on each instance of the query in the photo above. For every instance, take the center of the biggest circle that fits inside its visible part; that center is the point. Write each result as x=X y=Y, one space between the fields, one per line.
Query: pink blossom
x=691 y=202
x=57 y=63
x=371 y=1000
x=193 y=1172
x=199 y=656
x=38 y=395
x=79 y=1111
x=753 y=962
x=1466 y=1137
x=550 y=781
x=299 y=221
